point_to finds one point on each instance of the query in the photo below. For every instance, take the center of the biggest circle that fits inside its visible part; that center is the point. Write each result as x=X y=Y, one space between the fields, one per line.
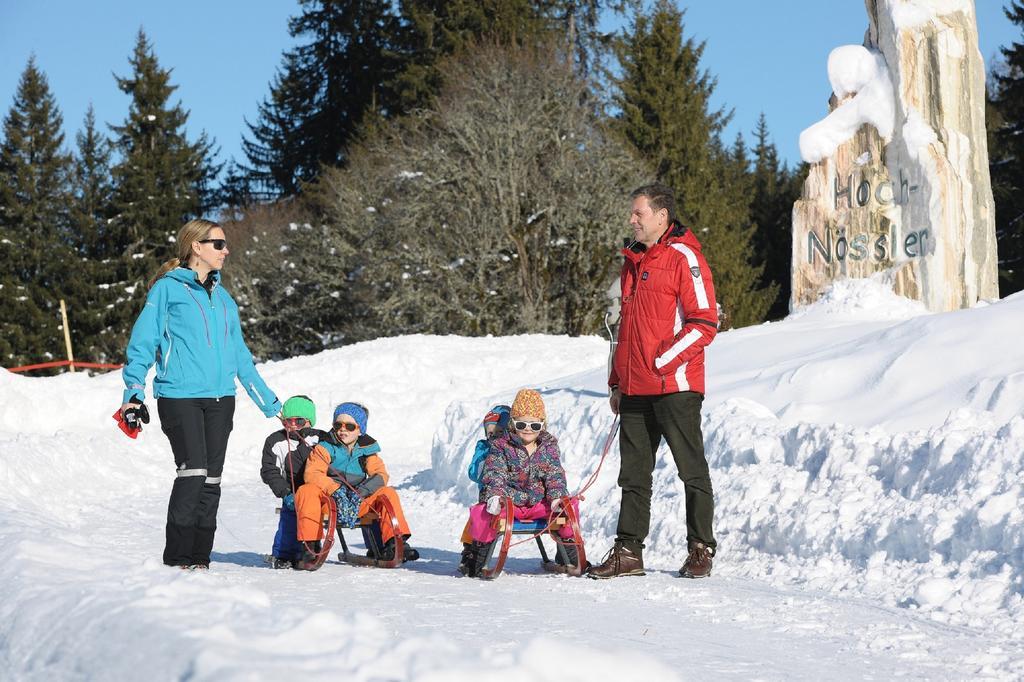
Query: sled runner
x=321 y=547
x=507 y=526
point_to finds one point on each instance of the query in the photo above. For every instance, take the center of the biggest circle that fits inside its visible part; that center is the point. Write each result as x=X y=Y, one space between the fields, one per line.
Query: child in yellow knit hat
x=524 y=465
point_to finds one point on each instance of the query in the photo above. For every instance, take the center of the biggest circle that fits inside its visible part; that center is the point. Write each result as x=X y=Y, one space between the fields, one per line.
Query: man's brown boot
x=618 y=561
x=698 y=562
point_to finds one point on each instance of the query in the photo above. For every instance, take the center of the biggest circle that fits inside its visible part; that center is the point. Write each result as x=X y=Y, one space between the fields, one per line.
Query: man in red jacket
x=668 y=316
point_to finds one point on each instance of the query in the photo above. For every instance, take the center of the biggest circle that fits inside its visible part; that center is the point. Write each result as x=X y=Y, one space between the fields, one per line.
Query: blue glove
x=289 y=501
x=348 y=507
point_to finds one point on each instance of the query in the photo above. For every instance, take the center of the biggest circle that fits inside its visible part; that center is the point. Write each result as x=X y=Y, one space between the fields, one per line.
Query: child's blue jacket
x=476 y=465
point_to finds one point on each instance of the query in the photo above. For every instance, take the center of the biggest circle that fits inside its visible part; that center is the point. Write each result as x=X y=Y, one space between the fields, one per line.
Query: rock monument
x=899 y=180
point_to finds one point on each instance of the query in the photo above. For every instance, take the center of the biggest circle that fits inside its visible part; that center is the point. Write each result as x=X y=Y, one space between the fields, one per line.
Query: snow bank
x=880 y=362
x=870 y=299
x=852 y=69
x=862 y=510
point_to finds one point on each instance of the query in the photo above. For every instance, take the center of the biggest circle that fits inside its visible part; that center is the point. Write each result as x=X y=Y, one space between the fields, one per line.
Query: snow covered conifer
x=33 y=222
x=90 y=214
x=323 y=91
x=93 y=190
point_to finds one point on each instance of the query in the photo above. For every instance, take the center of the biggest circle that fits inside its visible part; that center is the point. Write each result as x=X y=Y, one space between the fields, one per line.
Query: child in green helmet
x=284 y=460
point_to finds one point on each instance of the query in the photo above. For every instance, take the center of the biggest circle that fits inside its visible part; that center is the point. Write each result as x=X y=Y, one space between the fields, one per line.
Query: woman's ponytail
x=164 y=269
x=192 y=231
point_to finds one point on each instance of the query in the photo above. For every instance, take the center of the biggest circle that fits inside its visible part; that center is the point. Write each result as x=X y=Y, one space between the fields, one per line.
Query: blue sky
x=767 y=56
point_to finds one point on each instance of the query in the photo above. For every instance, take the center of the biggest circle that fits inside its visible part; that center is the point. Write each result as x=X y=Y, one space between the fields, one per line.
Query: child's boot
x=279 y=562
x=473 y=557
x=571 y=558
x=308 y=562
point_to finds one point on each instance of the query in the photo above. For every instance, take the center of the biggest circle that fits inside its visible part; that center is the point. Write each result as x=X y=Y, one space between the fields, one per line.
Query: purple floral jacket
x=528 y=479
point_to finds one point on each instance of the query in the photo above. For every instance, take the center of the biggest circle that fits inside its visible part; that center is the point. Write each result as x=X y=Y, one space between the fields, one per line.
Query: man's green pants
x=645 y=420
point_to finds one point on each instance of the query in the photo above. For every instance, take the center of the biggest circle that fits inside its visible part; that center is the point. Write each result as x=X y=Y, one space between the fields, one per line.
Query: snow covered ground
x=867 y=460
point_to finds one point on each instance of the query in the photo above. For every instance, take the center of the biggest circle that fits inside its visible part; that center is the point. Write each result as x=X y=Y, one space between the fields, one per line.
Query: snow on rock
x=917 y=133
x=852 y=70
x=909 y=14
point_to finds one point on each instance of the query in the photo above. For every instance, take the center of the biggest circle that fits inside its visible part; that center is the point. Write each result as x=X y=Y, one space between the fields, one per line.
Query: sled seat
x=530 y=527
x=366 y=519
x=370 y=523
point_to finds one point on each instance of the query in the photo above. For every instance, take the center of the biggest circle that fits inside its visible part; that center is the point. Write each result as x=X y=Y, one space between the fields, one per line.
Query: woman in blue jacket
x=189 y=328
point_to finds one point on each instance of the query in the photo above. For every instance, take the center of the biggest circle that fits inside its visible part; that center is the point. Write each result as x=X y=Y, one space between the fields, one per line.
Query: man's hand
x=614 y=399
x=493 y=505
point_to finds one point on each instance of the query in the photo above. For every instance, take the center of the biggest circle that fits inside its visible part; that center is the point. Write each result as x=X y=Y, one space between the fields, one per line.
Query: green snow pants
x=645 y=420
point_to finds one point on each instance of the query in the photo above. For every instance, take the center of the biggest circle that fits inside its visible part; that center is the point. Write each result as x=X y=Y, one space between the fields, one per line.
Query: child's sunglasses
x=218 y=244
x=523 y=426
x=295 y=422
x=348 y=426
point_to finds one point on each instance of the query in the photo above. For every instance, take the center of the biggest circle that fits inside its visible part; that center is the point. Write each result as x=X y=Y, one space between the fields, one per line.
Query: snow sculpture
x=899 y=178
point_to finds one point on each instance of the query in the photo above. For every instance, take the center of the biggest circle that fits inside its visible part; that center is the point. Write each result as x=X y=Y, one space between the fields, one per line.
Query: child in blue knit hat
x=347 y=465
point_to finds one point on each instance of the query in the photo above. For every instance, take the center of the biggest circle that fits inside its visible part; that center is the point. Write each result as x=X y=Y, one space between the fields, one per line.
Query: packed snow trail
x=863 y=535
x=116 y=613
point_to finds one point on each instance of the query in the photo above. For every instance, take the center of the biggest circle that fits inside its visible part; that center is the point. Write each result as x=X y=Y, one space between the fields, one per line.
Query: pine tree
x=322 y=92
x=775 y=189
x=665 y=102
x=34 y=237
x=93 y=190
x=91 y=212
x=579 y=22
x=1006 y=157
x=160 y=181
x=236 y=190
x=748 y=278
x=435 y=29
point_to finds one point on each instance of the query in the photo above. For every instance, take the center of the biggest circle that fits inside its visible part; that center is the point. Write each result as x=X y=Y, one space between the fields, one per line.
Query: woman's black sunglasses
x=533 y=426
x=218 y=244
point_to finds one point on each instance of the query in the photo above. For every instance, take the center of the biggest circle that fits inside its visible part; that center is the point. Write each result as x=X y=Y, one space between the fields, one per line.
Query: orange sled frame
x=507 y=526
x=382 y=513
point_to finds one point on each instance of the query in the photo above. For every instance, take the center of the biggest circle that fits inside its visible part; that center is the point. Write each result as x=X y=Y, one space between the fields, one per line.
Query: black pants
x=198 y=430
x=645 y=420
